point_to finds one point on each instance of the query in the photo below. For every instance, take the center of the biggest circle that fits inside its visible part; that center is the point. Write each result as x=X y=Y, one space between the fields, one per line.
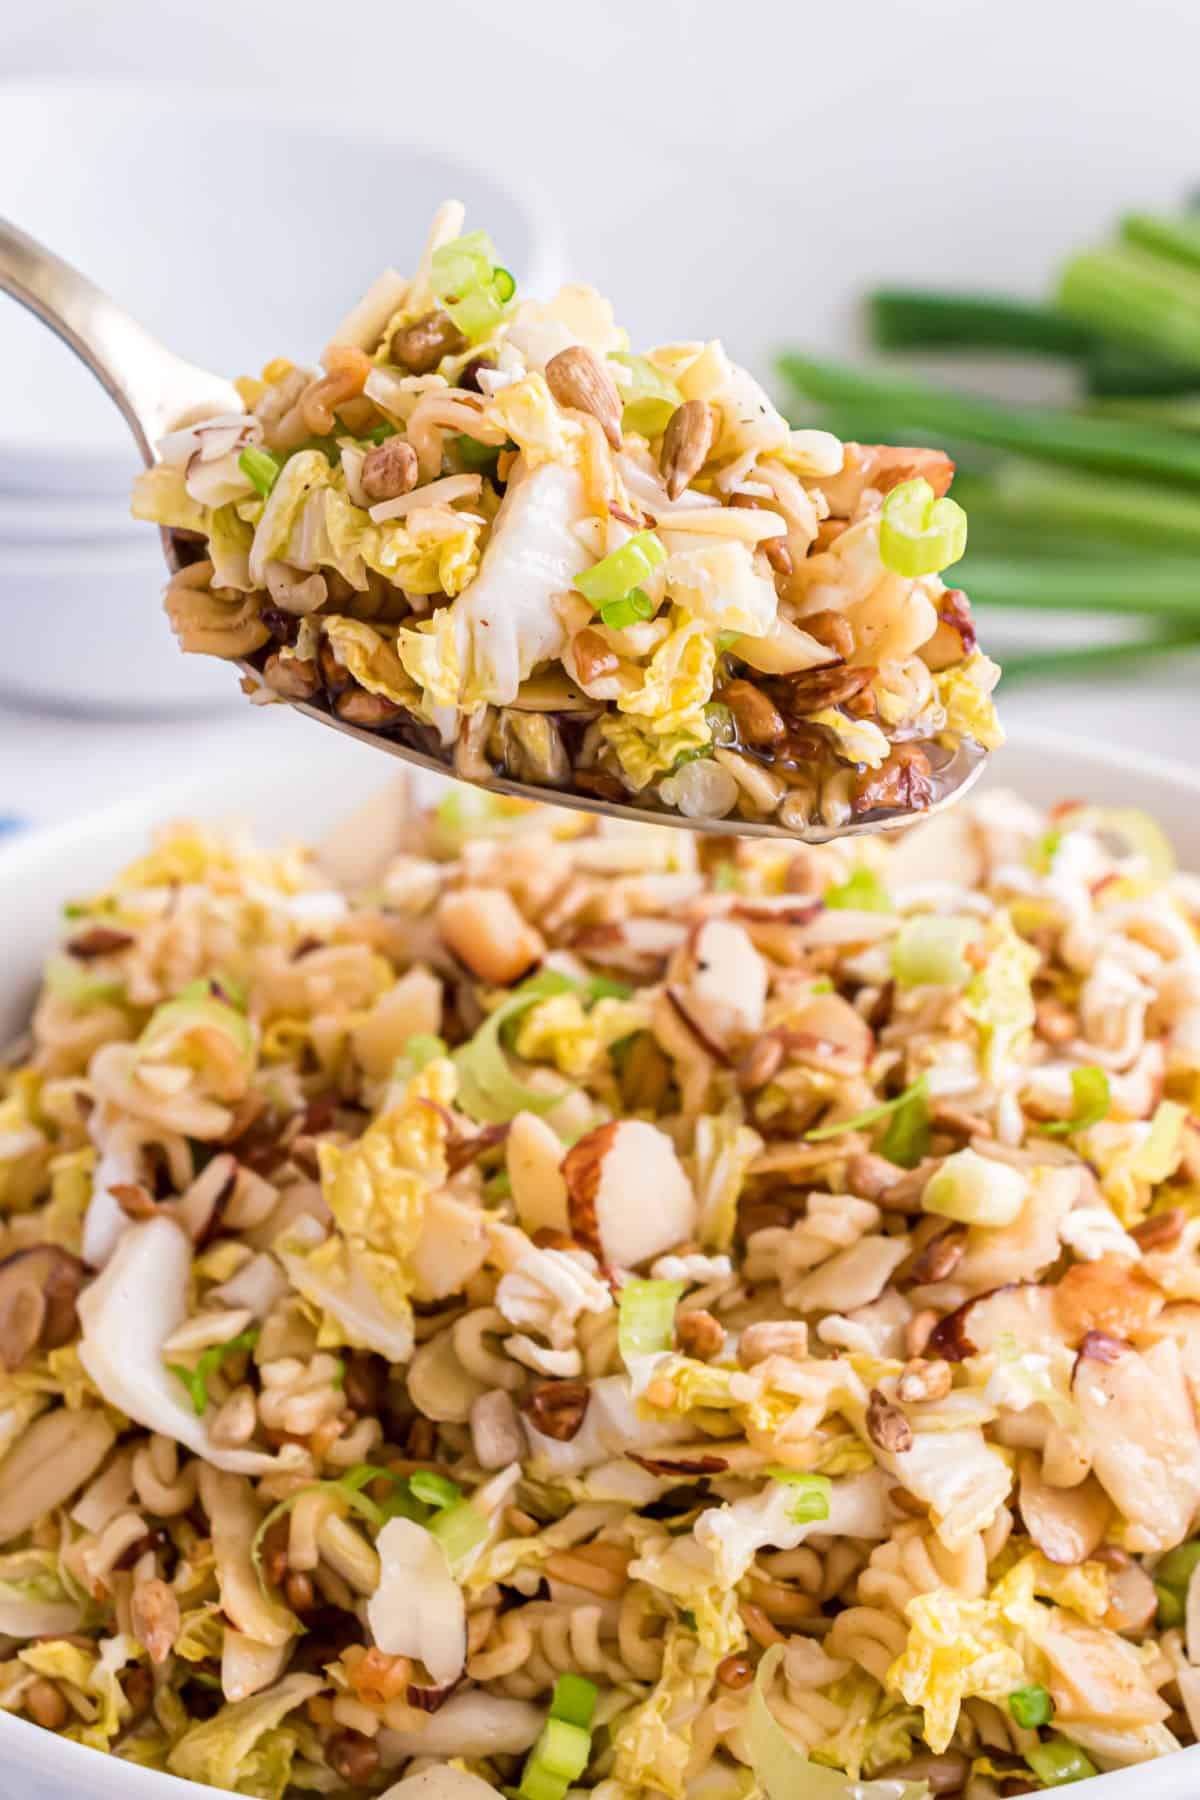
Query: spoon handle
x=153 y=389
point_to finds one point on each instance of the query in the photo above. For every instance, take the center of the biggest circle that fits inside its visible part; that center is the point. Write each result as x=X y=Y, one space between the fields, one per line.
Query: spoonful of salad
x=486 y=537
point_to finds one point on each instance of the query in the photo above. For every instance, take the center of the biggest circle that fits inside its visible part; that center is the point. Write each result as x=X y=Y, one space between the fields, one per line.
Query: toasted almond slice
x=627 y=1194
x=1066 y=1524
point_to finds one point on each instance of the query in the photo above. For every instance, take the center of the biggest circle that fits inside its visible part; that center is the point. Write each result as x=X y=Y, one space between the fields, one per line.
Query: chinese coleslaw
x=489 y=529
x=583 y=1309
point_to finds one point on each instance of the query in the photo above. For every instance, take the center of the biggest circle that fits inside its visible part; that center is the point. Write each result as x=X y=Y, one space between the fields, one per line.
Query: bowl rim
x=92 y=1774
x=321 y=118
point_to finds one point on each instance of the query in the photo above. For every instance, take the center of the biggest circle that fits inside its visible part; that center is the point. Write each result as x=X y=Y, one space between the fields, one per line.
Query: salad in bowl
x=486 y=528
x=577 y=1307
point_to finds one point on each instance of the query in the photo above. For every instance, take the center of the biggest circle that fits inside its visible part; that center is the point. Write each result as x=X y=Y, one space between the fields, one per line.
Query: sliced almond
x=1066 y=1524
x=1108 y=1295
x=628 y=1197
x=577 y=378
x=485 y=930
x=686 y=444
x=533 y=1153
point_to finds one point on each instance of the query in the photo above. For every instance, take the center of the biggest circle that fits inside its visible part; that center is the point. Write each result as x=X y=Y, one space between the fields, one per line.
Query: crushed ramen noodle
x=487 y=530
x=526 y=1303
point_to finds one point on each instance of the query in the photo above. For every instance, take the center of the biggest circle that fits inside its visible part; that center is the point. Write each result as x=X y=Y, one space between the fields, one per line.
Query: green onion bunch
x=1089 y=508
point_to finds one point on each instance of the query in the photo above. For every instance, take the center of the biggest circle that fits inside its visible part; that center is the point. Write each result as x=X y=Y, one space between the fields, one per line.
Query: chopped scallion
x=617 y=574
x=646 y=1318
x=650 y=396
x=918 y=533
x=808 y=1501
x=871 y=1116
x=433 y=1489
x=1091 y=1093
x=1058 y=1761
x=196 y=1380
x=635 y=606
x=574 y=1700
x=260 y=468
x=862 y=891
x=1031 y=1706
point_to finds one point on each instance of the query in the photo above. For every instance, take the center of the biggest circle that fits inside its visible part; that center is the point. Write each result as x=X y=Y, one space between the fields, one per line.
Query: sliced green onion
x=433 y=1489
x=615 y=575
x=557 y=1759
x=697 y=754
x=720 y=723
x=1172 y=1606
x=635 y=605
x=382 y=433
x=646 y=1317
x=974 y=1190
x=1058 y=1761
x=459 y=1529
x=196 y=1380
x=1043 y=853
x=498 y=1186
x=872 y=1115
x=472 y=287
x=1091 y=1091
x=1172 y=1578
x=604 y=987
x=862 y=891
x=906 y=1139
x=477 y=458
x=348 y=1489
x=75 y=983
x=809 y=1500
x=339 y=1373
x=564 y=1748
x=1031 y=1706
x=423 y=1049
x=927 y=951
x=724 y=878
x=260 y=468
x=574 y=1700
x=650 y=397
x=918 y=533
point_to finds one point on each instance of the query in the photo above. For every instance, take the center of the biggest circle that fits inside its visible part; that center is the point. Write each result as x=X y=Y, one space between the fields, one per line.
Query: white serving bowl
x=89 y=633
x=234 y=229
x=43 y=868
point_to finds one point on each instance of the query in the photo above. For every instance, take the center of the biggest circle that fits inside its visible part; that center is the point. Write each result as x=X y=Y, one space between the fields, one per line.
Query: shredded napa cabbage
x=644 y=753
x=965 y=692
x=244 y=1746
x=360 y=1277
x=999 y=997
x=678 y=680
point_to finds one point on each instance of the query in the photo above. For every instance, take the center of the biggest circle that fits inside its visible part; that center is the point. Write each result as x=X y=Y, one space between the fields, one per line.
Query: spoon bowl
x=157 y=392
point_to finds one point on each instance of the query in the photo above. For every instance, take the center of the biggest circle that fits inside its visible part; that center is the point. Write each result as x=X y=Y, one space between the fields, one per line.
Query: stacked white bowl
x=236 y=233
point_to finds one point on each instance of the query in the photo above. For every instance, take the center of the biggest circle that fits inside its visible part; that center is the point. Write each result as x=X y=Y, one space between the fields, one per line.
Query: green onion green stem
x=1047 y=435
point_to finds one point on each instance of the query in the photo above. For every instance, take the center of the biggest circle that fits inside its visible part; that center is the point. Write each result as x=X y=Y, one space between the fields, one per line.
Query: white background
x=741 y=168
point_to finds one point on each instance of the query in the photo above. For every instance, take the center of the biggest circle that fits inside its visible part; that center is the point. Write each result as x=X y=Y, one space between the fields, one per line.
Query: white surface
x=153 y=198
x=41 y=870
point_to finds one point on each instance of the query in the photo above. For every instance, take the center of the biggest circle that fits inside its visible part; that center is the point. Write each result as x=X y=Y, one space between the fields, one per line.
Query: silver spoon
x=157 y=391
